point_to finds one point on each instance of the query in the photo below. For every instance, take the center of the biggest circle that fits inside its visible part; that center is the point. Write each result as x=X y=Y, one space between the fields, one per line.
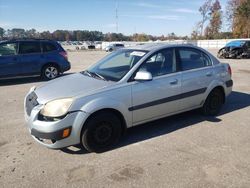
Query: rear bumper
x=66 y=67
x=229 y=83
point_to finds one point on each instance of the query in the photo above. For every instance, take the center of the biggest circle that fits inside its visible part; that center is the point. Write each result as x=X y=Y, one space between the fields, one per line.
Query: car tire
x=50 y=72
x=101 y=132
x=221 y=54
x=213 y=103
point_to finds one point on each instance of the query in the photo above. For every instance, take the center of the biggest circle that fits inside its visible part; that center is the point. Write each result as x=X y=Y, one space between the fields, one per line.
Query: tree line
x=81 y=35
x=237 y=20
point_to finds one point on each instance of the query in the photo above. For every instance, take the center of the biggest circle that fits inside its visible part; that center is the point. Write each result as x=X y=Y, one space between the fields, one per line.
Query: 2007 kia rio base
x=126 y=88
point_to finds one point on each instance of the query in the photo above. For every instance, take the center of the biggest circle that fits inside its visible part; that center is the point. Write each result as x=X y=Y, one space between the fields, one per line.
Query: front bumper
x=51 y=133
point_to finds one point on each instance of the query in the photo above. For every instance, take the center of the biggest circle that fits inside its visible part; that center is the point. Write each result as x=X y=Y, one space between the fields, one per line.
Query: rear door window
x=8 y=49
x=190 y=58
x=29 y=47
x=48 y=47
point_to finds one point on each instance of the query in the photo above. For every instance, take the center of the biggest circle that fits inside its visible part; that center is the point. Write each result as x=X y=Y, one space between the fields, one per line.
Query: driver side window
x=160 y=63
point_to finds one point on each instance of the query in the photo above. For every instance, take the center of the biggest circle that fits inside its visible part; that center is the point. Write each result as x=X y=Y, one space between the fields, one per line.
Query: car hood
x=69 y=86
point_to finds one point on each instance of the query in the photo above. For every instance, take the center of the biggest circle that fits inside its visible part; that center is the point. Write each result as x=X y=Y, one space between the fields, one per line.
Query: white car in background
x=114 y=47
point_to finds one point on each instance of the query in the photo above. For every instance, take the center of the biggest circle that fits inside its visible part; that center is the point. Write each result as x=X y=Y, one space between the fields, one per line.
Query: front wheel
x=50 y=72
x=213 y=103
x=101 y=132
x=221 y=54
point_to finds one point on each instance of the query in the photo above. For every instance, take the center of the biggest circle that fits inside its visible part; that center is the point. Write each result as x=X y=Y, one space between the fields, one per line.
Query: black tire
x=220 y=54
x=50 y=72
x=101 y=132
x=213 y=103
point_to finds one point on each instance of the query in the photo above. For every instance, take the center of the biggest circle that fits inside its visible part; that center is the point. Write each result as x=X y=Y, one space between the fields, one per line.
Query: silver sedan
x=128 y=87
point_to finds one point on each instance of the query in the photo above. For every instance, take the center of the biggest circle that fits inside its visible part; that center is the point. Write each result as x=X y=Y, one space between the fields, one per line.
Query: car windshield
x=235 y=43
x=116 y=65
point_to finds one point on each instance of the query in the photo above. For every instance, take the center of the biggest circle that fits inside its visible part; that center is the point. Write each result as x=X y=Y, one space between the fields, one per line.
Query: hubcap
x=215 y=102
x=51 y=72
x=103 y=133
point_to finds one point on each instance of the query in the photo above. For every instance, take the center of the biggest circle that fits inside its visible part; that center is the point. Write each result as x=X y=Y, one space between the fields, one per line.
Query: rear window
x=48 y=47
x=8 y=49
x=29 y=47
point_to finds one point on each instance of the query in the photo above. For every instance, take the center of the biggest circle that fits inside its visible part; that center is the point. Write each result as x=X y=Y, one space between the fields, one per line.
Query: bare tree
x=204 y=10
x=215 y=19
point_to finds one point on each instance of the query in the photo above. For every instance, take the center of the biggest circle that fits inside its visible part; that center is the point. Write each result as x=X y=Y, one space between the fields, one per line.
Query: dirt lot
x=186 y=150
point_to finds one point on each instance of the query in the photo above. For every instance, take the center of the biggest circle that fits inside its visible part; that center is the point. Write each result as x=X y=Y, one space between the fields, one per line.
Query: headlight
x=56 y=108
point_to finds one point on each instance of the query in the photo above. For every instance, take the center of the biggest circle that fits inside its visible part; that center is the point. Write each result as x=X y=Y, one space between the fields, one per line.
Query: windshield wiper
x=100 y=76
x=94 y=75
x=88 y=73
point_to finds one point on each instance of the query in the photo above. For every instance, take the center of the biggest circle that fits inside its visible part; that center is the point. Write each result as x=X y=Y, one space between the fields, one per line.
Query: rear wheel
x=101 y=132
x=213 y=103
x=50 y=72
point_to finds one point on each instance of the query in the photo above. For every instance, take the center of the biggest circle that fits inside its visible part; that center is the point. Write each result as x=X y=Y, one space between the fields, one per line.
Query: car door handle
x=208 y=74
x=173 y=82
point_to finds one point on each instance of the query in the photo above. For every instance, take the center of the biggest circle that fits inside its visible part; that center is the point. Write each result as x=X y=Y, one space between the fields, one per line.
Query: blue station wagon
x=26 y=57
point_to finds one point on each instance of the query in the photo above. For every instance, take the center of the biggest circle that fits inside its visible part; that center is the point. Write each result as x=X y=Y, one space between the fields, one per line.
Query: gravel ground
x=187 y=150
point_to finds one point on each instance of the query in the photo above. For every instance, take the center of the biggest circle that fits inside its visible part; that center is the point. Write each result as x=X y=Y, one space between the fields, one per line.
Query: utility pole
x=116 y=16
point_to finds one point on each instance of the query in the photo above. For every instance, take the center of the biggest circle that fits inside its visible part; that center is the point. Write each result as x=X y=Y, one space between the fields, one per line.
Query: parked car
x=235 y=49
x=32 y=57
x=128 y=87
x=113 y=47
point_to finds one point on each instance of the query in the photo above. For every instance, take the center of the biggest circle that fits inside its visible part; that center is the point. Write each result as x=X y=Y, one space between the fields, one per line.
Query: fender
x=215 y=84
x=100 y=103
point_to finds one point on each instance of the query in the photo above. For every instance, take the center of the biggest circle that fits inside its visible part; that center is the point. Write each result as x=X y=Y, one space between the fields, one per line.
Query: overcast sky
x=154 y=17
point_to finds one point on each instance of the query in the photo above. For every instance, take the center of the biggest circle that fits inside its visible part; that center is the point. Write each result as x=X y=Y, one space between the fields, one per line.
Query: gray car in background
x=126 y=88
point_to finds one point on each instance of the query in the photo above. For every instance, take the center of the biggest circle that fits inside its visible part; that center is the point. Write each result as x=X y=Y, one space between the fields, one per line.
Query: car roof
x=158 y=46
x=28 y=40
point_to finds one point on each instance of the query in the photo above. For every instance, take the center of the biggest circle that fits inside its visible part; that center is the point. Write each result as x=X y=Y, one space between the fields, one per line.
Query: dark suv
x=25 y=57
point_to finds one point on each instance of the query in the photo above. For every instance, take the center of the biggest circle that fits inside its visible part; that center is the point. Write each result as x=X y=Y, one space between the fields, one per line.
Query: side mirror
x=143 y=76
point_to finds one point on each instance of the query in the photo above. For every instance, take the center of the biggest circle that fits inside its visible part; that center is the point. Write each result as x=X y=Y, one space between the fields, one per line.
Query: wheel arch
x=112 y=110
x=221 y=88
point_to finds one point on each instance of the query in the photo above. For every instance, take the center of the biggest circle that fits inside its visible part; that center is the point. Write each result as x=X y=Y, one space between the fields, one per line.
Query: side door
x=197 y=75
x=30 y=57
x=158 y=97
x=9 y=60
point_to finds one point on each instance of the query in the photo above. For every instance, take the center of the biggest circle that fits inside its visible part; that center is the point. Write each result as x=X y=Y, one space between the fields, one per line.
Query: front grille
x=31 y=102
